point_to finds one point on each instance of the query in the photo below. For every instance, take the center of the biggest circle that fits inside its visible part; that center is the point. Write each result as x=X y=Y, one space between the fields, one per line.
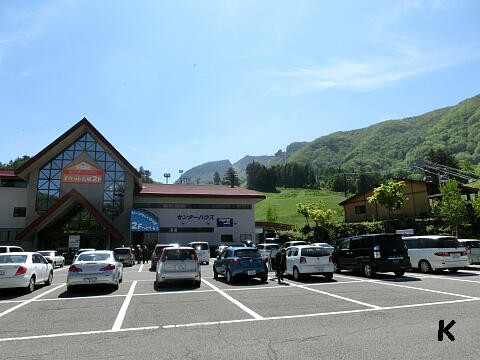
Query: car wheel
x=229 y=277
x=31 y=285
x=425 y=267
x=121 y=279
x=296 y=274
x=399 y=273
x=49 y=279
x=208 y=262
x=116 y=285
x=453 y=270
x=367 y=271
x=62 y=264
x=328 y=276
x=264 y=279
x=215 y=274
x=336 y=268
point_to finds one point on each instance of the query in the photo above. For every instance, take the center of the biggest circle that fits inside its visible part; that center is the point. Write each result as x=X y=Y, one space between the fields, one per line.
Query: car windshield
x=200 y=246
x=13 y=259
x=314 y=252
x=46 y=253
x=179 y=254
x=391 y=242
x=272 y=247
x=247 y=253
x=122 y=251
x=473 y=244
x=94 y=257
x=448 y=243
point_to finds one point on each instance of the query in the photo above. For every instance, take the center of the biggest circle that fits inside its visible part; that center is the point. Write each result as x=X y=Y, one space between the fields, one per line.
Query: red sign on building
x=82 y=173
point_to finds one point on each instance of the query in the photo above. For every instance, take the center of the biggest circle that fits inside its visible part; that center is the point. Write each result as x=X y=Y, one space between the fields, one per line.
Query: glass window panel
x=89 y=146
x=120 y=176
x=55 y=183
x=56 y=164
x=42 y=184
x=100 y=156
x=55 y=174
x=44 y=174
x=79 y=146
x=68 y=155
x=110 y=165
x=89 y=137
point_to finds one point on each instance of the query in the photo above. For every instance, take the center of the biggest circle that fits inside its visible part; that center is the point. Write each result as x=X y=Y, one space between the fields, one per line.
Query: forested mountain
x=242 y=164
x=386 y=146
x=203 y=174
x=398 y=143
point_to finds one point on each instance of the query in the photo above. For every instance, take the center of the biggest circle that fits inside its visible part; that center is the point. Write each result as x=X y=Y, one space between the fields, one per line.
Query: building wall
x=243 y=219
x=416 y=204
x=9 y=225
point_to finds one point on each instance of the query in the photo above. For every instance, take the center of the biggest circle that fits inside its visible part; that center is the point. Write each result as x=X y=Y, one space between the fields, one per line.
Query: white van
x=473 y=250
x=203 y=251
x=7 y=249
x=436 y=252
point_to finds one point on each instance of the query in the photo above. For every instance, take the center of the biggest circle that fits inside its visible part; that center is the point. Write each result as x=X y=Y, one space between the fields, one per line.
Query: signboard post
x=74 y=241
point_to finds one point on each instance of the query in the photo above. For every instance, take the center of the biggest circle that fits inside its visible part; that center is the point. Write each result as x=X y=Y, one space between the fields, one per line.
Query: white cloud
x=372 y=73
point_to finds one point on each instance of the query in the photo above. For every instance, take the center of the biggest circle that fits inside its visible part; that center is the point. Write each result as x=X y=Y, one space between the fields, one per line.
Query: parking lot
x=348 y=317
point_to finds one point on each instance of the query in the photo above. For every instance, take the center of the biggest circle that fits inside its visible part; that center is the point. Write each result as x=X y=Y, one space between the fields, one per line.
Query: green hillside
x=399 y=143
x=284 y=203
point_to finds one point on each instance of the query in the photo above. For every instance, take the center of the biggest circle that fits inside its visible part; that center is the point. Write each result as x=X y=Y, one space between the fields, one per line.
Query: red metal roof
x=7 y=173
x=181 y=190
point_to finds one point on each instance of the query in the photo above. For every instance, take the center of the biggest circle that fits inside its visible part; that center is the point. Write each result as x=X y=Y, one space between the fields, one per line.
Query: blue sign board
x=143 y=221
x=224 y=222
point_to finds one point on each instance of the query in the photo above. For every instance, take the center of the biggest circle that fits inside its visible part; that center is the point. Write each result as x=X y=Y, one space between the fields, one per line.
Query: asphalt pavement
x=349 y=317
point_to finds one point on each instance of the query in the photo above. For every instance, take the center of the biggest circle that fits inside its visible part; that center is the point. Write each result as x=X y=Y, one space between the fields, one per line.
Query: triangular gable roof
x=68 y=200
x=89 y=127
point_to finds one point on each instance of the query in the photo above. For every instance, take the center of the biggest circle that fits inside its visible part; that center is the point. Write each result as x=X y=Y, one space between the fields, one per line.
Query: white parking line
x=336 y=296
x=78 y=333
x=316 y=314
x=26 y=302
x=141 y=268
x=236 y=302
x=421 y=289
x=123 y=310
x=453 y=279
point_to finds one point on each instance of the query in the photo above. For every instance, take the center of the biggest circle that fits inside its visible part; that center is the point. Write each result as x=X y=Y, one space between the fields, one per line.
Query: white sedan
x=24 y=270
x=53 y=257
x=95 y=267
x=309 y=260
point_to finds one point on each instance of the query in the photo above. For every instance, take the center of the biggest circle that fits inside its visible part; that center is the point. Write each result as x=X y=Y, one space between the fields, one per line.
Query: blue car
x=236 y=262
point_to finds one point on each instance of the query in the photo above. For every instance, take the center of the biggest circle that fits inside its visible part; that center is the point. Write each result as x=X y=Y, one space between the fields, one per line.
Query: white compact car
x=95 y=267
x=473 y=250
x=53 y=257
x=309 y=260
x=203 y=251
x=24 y=270
x=436 y=252
x=178 y=264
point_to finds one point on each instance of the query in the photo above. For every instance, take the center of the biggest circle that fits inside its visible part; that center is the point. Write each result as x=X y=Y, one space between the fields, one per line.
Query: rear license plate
x=180 y=267
x=455 y=255
x=319 y=269
x=2 y=272
x=396 y=261
x=90 y=279
x=251 y=272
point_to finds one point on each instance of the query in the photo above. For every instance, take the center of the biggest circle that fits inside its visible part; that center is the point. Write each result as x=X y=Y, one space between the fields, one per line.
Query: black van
x=372 y=253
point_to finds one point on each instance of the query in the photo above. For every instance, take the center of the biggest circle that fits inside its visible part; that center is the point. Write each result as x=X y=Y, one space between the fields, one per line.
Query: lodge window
x=48 y=186
x=19 y=212
x=361 y=209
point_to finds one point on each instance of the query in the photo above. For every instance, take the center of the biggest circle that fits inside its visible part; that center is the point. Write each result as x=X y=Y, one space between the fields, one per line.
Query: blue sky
x=174 y=84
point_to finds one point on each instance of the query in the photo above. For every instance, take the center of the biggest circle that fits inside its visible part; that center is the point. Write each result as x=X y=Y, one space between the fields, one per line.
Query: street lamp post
x=166 y=176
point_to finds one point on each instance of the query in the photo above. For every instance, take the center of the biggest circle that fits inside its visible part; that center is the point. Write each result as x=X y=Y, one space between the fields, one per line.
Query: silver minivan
x=473 y=250
x=178 y=264
x=436 y=252
x=203 y=251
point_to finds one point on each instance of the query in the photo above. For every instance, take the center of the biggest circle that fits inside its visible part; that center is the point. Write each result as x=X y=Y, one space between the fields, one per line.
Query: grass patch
x=285 y=202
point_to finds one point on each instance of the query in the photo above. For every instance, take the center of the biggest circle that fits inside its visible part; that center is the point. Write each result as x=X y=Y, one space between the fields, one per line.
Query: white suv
x=7 y=249
x=436 y=252
x=203 y=251
x=309 y=260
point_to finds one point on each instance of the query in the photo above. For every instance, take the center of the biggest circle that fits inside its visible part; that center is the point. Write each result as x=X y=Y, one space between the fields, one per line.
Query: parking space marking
x=452 y=278
x=141 y=268
x=78 y=333
x=421 y=289
x=26 y=302
x=236 y=302
x=335 y=296
x=123 y=310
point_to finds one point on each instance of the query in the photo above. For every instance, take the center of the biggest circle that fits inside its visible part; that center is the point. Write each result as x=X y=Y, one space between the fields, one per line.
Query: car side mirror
x=50 y=261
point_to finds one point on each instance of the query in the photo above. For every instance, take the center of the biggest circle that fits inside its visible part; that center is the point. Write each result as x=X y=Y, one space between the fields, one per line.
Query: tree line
x=290 y=175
